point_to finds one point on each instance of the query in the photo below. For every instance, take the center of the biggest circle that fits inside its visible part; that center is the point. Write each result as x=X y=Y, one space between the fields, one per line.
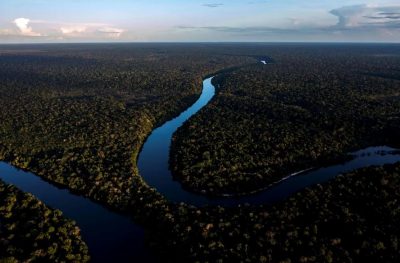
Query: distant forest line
x=77 y=115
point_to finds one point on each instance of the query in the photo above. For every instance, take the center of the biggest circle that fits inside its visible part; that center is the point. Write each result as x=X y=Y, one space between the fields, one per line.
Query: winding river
x=153 y=164
x=112 y=237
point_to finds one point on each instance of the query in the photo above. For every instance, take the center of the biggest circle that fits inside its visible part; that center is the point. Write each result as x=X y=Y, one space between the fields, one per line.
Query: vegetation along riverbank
x=78 y=115
x=310 y=107
x=32 y=232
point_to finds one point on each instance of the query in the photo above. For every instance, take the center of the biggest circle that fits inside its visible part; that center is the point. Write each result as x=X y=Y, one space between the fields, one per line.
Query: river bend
x=112 y=237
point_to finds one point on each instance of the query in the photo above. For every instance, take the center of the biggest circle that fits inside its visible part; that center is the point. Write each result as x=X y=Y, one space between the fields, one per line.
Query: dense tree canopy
x=312 y=105
x=77 y=116
x=353 y=218
x=32 y=232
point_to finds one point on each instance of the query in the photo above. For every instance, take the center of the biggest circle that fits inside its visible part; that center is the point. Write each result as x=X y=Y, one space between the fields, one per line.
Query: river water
x=112 y=237
x=153 y=164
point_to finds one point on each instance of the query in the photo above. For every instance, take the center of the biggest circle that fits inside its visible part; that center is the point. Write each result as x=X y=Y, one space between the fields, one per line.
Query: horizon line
x=201 y=42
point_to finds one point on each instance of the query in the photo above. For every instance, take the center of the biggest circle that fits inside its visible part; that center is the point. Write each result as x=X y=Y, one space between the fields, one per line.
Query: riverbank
x=88 y=139
x=269 y=121
x=32 y=231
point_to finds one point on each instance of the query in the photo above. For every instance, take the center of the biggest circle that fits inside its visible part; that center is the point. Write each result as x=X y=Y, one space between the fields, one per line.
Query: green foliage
x=313 y=105
x=77 y=115
x=353 y=218
x=30 y=231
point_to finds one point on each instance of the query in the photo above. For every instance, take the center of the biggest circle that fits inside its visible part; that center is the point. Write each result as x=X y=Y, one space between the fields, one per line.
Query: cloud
x=357 y=22
x=213 y=5
x=367 y=17
x=59 y=31
x=383 y=15
x=254 y=30
x=111 y=31
x=24 y=28
x=73 y=30
x=90 y=30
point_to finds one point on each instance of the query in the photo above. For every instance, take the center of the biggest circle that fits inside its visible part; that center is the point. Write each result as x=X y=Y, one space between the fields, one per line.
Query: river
x=112 y=237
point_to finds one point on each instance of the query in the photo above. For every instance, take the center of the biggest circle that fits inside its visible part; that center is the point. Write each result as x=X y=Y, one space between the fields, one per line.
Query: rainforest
x=199 y=152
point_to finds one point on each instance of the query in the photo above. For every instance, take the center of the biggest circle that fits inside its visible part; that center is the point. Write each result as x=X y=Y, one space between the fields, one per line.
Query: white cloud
x=371 y=16
x=90 y=30
x=24 y=28
x=70 y=30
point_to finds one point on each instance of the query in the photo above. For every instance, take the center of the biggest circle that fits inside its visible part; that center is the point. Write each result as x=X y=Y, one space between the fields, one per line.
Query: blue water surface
x=112 y=237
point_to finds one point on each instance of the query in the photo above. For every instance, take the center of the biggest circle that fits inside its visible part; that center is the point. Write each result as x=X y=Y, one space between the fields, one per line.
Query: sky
x=44 y=21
